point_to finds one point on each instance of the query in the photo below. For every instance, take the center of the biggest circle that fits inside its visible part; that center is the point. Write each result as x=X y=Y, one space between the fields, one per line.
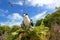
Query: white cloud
x=10 y=23
x=15 y=16
x=3 y=12
x=41 y=2
x=14 y=19
x=49 y=3
x=39 y=16
x=18 y=3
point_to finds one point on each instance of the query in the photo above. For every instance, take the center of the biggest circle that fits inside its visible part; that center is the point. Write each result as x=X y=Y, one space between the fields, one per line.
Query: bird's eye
x=26 y=14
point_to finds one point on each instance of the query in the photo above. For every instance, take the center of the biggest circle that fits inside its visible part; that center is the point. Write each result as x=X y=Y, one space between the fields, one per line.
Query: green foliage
x=10 y=37
x=41 y=31
x=1 y=29
x=50 y=18
x=15 y=27
x=38 y=22
x=5 y=28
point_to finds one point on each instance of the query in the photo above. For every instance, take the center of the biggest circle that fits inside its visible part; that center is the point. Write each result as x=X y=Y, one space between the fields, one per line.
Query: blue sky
x=11 y=11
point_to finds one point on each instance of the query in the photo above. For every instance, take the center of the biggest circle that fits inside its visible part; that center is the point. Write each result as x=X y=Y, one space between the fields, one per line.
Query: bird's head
x=25 y=15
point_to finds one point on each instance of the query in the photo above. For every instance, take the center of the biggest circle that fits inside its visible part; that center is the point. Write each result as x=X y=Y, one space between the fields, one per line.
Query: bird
x=27 y=22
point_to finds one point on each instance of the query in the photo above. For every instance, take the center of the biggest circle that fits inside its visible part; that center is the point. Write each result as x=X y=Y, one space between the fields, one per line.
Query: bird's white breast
x=26 y=21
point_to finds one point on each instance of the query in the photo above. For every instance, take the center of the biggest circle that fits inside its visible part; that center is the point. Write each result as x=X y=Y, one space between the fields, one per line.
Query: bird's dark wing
x=31 y=22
